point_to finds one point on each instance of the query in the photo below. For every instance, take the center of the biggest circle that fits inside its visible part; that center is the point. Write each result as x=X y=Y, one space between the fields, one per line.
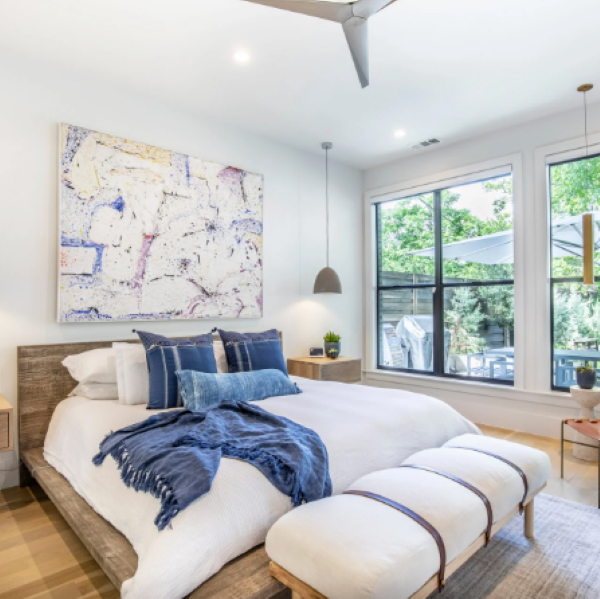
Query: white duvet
x=365 y=429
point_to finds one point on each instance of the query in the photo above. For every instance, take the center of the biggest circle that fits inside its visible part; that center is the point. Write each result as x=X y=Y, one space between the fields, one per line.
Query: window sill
x=421 y=382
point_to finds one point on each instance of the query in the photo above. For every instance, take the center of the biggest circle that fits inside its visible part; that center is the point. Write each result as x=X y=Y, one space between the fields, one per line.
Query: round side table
x=588 y=399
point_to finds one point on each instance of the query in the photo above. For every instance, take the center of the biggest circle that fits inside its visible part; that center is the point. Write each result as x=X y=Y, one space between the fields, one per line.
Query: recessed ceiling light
x=399 y=133
x=241 y=56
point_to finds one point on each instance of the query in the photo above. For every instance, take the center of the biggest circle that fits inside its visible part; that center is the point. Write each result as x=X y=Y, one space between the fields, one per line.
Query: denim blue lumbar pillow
x=164 y=356
x=253 y=351
x=200 y=390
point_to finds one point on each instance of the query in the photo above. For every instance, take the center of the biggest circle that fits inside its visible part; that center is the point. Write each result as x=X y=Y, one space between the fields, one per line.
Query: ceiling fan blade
x=331 y=11
x=357 y=36
x=367 y=8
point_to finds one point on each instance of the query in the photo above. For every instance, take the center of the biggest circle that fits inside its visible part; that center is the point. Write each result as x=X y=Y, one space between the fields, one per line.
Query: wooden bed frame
x=43 y=382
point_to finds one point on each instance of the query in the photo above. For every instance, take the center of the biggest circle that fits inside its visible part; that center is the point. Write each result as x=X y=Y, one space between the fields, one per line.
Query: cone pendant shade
x=327 y=281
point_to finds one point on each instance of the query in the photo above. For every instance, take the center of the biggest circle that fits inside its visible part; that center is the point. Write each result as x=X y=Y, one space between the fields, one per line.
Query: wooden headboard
x=43 y=382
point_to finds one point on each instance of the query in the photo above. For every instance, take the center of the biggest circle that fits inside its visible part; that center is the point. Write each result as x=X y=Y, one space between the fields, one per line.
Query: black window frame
x=438 y=288
x=559 y=280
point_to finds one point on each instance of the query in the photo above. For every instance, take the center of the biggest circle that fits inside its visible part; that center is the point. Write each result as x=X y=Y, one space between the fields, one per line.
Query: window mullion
x=379 y=244
x=438 y=297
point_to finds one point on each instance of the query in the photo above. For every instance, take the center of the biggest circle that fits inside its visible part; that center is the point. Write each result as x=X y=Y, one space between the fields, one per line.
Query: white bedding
x=365 y=429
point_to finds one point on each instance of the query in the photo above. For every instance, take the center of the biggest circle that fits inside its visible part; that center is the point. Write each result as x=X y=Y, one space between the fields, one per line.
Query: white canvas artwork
x=149 y=234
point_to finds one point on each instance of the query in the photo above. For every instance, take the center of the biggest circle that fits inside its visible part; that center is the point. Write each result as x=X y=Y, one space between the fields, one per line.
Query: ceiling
x=449 y=69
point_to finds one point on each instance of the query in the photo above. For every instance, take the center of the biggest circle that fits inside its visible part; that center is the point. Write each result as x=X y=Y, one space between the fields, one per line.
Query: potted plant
x=586 y=377
x=333 y=353
x=332 y=342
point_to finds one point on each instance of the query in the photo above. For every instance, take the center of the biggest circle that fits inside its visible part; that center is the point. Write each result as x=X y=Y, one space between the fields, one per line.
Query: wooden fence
x=396 y=303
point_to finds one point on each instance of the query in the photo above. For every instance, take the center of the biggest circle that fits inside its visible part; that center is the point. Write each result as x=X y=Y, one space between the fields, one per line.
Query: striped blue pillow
x=150 y=340
x=200 y=390
x=253 y=351
x=233 y=337
x=164 y=356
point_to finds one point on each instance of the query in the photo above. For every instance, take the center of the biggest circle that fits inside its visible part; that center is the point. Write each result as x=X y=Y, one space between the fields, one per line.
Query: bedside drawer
x=4 y=431
x=342 y=372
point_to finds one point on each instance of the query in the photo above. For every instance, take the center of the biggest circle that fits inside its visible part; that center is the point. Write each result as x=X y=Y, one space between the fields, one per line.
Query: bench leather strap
x=464 y=483
x=419 y=520
x=514 y=466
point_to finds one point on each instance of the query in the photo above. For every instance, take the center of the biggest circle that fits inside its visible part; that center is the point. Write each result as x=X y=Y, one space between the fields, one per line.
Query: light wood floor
x=41 y=557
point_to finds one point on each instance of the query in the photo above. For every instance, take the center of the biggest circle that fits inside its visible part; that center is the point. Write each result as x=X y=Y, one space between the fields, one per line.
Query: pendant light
x=327 y=280
x=587 y=224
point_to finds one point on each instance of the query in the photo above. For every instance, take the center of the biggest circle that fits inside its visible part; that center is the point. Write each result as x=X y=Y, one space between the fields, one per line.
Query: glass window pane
x=477 y=231
x=406 y=328
x=574 y=190
x=479 y=324
x=576 y=334
x=406 y=226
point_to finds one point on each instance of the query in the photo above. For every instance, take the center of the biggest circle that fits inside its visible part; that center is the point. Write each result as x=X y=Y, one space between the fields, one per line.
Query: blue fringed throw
x=175 y=455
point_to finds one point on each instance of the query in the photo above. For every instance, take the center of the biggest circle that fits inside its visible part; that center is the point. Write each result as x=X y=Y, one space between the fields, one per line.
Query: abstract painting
x=150 y=234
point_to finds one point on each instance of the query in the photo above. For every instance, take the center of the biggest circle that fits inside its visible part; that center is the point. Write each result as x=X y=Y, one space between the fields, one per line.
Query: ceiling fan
x=353 y=16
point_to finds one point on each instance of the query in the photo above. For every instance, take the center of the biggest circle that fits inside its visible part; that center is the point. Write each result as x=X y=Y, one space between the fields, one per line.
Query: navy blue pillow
x=230 y=336
x=150 y=340
x=253 y=351
x=165 y=356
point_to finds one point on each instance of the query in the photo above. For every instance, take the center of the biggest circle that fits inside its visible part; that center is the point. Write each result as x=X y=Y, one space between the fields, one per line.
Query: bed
x=219 y=537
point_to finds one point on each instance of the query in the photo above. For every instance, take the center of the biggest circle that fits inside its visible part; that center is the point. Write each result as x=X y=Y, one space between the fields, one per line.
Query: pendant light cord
x=585 y=88
x=327 y=200
x=587 y=146
x=587 y=149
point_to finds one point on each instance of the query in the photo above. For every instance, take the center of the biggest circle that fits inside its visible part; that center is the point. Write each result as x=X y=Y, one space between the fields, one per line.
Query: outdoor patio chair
x=491 y=366
x=565 y=374
x=476 y=370
x=501 y=368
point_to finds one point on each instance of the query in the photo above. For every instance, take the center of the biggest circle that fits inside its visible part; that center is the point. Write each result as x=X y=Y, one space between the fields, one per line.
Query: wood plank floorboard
x=42 y=558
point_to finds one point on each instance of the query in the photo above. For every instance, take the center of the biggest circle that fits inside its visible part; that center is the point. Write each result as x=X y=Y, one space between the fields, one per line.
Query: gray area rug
x=563 y=562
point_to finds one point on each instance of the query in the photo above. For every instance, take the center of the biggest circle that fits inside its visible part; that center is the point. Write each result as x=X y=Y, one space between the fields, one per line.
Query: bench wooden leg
x=300 y=590
x=528 y=520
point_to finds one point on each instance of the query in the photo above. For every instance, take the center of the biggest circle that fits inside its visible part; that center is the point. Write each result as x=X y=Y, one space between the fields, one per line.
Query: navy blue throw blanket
x=175 y=455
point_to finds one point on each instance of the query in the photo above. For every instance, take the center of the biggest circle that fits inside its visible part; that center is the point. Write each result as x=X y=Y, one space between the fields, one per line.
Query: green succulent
x=333 y=353
x=331 y=337
x=587 y=369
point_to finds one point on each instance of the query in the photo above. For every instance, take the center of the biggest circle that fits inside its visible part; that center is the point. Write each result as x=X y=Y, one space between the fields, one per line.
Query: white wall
x=36 y=97
x=533 y=407
x=523 y=138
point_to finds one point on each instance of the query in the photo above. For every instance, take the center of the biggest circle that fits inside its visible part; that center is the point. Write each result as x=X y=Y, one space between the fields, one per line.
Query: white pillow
x=94 y=366
x=133 y=381
x=220 y=357
x=96 y=390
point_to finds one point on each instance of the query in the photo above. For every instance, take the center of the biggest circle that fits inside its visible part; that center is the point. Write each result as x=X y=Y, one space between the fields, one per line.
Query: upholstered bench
x=401 y=532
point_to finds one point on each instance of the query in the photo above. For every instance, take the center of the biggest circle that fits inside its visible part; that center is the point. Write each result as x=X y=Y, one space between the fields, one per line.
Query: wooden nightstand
x=6 y=425
x=342 y=369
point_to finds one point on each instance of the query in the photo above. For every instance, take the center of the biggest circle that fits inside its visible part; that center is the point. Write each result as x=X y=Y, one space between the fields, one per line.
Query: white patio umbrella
x=497 y=248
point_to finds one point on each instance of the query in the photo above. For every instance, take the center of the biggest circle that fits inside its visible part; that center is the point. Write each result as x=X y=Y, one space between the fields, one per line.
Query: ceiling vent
x=425 y=143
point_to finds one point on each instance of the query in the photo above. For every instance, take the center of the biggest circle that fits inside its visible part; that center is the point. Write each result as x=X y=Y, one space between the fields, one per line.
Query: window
x=445 y=282
x=575 y=308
